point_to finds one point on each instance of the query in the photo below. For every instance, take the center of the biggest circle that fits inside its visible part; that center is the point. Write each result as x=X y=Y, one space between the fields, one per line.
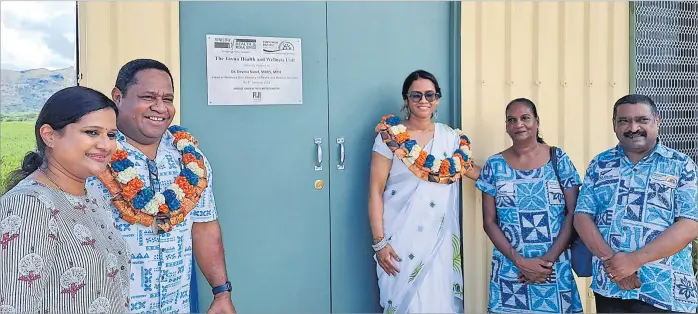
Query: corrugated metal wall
x=113 y=33
x=571 y=59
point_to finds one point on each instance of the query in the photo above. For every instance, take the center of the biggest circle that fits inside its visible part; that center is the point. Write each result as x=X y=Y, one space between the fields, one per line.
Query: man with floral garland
x=160 y=188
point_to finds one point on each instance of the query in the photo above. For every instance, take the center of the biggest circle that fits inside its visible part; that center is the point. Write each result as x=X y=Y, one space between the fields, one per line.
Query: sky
x=37 y=34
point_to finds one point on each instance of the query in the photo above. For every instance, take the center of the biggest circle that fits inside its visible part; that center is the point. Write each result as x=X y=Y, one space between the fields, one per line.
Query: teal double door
x=295 y=230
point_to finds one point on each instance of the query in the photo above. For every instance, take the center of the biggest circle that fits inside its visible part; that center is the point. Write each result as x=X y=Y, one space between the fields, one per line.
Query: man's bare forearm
x=669 y=242
x=208 y=250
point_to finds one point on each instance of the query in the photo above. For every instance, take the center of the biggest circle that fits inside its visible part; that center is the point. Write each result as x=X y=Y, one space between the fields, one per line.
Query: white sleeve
x=382 y=148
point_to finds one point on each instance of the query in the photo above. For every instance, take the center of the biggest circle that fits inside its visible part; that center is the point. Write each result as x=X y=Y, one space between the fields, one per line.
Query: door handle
x=318 y=144
x=340 y=141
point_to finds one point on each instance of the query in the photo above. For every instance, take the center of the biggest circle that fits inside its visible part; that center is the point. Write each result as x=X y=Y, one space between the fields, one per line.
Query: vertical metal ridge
x=611 y=62
x=633 y=47
x=509 y=56
x=586 y=111
x=562 y=71
x=535 y=38
x=114 y=33
x=77 y=44
x=481 y=238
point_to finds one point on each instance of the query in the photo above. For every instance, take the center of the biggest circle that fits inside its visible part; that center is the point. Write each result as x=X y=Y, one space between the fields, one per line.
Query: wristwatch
x=222 y=288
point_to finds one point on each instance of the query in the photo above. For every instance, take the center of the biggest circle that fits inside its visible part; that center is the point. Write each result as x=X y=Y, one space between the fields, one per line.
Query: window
x=666 y=67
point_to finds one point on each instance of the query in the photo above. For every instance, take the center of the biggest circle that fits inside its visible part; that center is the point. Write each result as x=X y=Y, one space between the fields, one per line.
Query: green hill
x=22 y=95
x=24 y=92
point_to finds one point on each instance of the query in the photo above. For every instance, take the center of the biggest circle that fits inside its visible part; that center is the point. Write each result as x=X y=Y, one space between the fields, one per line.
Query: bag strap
x=553 y=160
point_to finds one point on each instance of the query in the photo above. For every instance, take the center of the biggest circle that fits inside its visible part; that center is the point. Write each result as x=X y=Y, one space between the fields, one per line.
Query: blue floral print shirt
x=633 y=204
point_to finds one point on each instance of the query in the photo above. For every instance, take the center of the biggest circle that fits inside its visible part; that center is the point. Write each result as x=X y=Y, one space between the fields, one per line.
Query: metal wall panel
x=572 y=60
x=113 y=33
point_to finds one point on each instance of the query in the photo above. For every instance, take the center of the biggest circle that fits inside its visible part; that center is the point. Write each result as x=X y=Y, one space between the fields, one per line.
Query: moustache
x=635 y=134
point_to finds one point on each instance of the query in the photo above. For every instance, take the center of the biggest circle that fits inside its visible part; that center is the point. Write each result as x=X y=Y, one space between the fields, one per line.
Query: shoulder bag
x=581 y=256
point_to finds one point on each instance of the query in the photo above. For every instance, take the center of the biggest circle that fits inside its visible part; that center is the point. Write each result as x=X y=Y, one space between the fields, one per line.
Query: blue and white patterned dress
x=531 y=210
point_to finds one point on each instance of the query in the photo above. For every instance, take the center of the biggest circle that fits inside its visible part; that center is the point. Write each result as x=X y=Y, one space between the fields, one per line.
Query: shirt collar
x=659 y=149
x=167 y=138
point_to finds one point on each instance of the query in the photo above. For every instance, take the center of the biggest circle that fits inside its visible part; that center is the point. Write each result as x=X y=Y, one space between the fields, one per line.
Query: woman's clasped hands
x=533 y=270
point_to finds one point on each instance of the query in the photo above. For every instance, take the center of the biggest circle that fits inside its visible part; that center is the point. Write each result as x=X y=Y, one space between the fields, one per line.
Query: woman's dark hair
x=418 y=74
x=531 y=106
x=64 y=107
x=415 y=76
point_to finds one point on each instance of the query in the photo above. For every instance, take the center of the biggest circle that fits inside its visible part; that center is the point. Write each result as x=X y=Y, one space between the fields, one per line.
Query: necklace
x=56 y=184
x=421 y=163
x=162 y=211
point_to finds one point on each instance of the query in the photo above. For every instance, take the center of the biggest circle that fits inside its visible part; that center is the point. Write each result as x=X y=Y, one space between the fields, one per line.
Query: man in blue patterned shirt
x=637 y=213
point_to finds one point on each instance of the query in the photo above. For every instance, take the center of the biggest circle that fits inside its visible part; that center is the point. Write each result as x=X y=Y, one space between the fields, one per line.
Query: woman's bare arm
x=474 y=172
x=489 y=222
x=380 y=168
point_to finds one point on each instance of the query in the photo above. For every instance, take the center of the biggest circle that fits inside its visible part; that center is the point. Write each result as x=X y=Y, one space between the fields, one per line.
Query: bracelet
x=380 y=245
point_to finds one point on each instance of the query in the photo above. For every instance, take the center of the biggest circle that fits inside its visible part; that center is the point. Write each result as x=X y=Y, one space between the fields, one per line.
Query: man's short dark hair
x=635 y=99
x=127 y=73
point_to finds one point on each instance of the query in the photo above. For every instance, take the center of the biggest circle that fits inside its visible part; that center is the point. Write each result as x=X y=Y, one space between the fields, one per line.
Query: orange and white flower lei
x=424 y=165
x=138 y=204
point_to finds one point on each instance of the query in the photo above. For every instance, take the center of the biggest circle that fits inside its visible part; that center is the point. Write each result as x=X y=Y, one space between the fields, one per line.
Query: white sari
x=421 y=221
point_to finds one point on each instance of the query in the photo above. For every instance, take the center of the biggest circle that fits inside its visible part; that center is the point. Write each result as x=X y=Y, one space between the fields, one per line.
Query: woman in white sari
x=414 y=204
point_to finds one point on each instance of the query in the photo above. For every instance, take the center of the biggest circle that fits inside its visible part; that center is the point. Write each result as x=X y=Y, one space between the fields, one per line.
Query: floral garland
x=137 y=204
x=424 y=165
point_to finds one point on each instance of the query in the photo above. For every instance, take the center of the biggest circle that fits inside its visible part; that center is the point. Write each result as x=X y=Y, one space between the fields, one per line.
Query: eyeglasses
x=429 y=96
x=154 y=180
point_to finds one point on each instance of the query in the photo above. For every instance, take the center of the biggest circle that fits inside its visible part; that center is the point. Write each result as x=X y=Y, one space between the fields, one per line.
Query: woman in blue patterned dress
x=529 y=219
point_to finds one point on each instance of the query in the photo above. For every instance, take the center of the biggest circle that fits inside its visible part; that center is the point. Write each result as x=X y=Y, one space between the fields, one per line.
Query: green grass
x=19 y=116
x=16 y=139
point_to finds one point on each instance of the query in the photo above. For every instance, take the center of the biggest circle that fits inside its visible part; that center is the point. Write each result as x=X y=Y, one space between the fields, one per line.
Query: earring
x=406 y=109
x=435 y=114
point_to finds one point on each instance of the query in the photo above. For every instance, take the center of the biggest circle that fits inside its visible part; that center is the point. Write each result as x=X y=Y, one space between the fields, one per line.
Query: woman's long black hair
x=64 y=107
x=531 y=106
